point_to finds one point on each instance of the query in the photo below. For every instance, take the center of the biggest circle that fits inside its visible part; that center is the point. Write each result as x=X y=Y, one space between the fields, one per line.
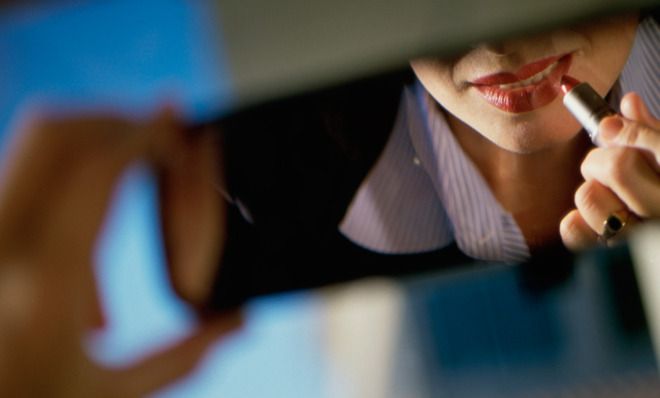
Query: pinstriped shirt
x=424 y=193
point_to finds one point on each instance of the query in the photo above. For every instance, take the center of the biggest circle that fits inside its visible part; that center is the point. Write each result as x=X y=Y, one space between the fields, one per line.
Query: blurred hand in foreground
x=57 y=181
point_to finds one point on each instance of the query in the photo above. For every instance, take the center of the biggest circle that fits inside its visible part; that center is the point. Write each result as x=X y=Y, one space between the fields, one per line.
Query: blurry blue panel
x=131 y=55
x=277 y=354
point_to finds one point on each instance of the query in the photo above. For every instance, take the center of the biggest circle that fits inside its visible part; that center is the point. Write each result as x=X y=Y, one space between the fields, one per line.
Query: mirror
x=425 y=165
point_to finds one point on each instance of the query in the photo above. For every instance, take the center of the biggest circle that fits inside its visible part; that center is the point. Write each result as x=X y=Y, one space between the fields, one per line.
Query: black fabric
x=292 y=168
x=654 y=12
x=249 y=270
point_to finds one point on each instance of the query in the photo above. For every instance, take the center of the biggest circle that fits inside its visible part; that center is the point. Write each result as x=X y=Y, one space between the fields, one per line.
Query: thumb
x=619 y=131
x=193 y=218
x=634 y=108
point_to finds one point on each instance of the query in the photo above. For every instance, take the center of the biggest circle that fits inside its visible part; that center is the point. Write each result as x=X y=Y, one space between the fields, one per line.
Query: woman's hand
x=622 y=178
x=56 y=183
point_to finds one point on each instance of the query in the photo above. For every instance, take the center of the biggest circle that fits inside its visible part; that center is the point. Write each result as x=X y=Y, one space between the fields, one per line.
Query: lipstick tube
x=586 y=105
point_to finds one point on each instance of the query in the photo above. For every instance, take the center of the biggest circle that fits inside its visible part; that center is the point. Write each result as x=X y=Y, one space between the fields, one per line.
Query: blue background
x=133 y=56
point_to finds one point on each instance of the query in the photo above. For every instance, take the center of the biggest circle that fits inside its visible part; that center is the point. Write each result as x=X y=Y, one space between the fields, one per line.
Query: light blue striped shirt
x=425 y=193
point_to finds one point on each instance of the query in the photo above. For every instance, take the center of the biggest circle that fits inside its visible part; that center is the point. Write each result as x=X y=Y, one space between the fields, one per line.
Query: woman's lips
x=534 y=85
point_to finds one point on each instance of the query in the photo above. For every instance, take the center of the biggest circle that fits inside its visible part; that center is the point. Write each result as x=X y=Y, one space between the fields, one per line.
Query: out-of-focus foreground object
x=280 y=48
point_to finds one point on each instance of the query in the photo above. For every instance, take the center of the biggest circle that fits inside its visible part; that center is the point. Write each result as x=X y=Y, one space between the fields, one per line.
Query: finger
x=165 y=367
x=627 y=173
x=66 y=166
x=77 y=211
x=595 y=202
x=193 y=217
x=37 y=160
x=634 y=108
x=619 y=131
x=165 y=148
x=576 y=233
x=96 y=320
x=44 y=145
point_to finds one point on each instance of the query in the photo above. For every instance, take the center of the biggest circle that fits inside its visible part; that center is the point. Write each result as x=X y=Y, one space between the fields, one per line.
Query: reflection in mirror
x=444 y=174
x=450 y=161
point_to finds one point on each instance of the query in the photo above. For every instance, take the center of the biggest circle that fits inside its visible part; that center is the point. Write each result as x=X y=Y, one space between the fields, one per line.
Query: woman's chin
x=525 y=141
x=532 y=132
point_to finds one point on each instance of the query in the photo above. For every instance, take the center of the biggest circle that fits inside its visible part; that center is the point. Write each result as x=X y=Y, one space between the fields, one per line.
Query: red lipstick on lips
x=534 y=85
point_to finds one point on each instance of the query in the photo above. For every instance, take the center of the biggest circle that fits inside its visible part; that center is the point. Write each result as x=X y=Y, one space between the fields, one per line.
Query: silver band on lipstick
x=588 y=108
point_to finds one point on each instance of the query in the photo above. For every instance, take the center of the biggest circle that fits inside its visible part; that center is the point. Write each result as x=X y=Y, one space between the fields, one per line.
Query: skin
x=57 y=180
x=623 y=175
x=534 y=160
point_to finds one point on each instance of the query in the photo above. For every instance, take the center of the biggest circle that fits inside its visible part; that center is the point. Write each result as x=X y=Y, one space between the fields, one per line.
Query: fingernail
x=610 y=127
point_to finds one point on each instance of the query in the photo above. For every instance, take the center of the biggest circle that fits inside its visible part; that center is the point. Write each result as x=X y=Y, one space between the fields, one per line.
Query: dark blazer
x=292 y=169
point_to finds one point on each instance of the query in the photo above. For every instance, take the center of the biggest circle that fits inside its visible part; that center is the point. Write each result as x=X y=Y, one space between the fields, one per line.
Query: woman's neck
x=536 y=188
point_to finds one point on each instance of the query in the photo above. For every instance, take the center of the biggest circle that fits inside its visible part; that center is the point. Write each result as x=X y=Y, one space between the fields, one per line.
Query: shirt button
x=416 y=161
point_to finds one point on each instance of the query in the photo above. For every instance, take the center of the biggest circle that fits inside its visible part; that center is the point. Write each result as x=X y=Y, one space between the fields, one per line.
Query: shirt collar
x=424 y=193
x=481 y=227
